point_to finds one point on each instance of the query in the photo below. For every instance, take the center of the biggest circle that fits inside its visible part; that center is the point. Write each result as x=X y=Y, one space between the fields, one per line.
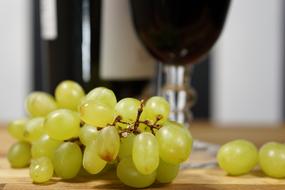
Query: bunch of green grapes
x=71 y=131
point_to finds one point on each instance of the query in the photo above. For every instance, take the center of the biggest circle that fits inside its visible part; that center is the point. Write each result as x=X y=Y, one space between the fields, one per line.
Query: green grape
x=102 y=95
x=92 y=163
x=41 y=170
x=272 y=159
x=87 y=134
x=166 y=172
x=126 y=146
x=45 y=146
x=129 y=175
x=62 y=124
x=237 y=157
x=17 y=128
x=154 y=107
x=67 y=160
x=145 y=153
x=175 y=144
x=108 y=143
x=96 y=114
x=19 y=154
x=68 y=94
x=173 y=123
x=34 y=129
x=40 y=104
x=127 y=108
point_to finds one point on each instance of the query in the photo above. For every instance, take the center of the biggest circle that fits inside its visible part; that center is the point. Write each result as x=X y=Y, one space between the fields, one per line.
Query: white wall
x=15 y=57
x=247 y=74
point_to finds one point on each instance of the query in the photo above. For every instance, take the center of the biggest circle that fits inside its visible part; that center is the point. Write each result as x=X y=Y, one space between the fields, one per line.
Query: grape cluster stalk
x=74 y=132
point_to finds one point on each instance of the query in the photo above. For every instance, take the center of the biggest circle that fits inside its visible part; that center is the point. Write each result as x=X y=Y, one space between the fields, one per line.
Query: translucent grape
x=87 y=134
x=62 y=124
x=40 y=104
x=102 y=95
x=175 y=144
x=166 y=172
x=272 y=159
x=129 y=175
x=67 y=160
x=34 y=129
x=17 y=128
x=68 y=94
x=19 y=154
x=96 y=114
x=126 y=146
x=45 y=146
x=127 y=108
x=41 y=170
x=145 y=153
x=108 y=143
x=237 y=157
x=156 y=106
x=91 y=161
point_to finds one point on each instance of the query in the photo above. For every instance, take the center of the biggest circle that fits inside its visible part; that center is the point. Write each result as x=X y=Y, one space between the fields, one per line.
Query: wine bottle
x=89 y=41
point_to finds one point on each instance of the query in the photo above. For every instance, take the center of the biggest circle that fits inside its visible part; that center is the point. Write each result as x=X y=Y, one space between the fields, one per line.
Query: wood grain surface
x=191 y=179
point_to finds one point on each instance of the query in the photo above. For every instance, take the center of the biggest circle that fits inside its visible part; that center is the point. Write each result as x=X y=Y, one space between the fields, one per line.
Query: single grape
x=145 y=153
x=102 y=95
x=175 y=144
x=129 y=175
x=127 y=109
x=34 y=129
x=68 y=94
x=17 y=128
x=272 y=159
x=126 y=146
x=41 y=170
x=39 y=104
x=166 y=172
x=237 y=157
x=62 y=124
x=67 y=160
x=156 y=107
x=19 y=154
x=92 y=163
x=45 y=146
x=87 y=134
x=96 y=114
x=108 y=143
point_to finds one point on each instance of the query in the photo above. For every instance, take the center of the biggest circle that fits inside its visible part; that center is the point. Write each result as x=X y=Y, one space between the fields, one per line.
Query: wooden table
x=191 y=179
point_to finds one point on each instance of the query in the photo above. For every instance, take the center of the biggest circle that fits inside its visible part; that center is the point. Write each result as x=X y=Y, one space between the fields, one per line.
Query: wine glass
x=178 y=33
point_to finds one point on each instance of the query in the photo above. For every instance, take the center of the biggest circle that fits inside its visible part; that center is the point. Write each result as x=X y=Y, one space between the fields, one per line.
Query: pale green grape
x=87 y=134
x=272 y=159
x=62 y=124
x=102 y=95
x=68 y=94
x=41 y=170
x=126 y=146
x=19 y=154
x=40 y=104
x=173 y=123
x=92 y=163
x=154 y=107
x=166 y=172
x=145 y=153
x=127 y=108
x=175 y=144
x=237 y=157
x=44 y=146
x=129 y=175
x=34 y=129
x=108 y=143
x=17 y=128
x=67 y=160
x=96 y=114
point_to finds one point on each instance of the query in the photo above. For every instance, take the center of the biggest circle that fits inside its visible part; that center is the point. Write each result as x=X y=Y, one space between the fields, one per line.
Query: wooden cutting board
x=191 y=179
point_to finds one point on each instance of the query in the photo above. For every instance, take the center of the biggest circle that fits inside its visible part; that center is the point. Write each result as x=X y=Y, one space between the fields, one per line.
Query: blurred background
x=44 y=42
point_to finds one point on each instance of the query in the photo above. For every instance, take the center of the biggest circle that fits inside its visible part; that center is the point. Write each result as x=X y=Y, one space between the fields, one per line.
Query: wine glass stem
x=175 y=87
